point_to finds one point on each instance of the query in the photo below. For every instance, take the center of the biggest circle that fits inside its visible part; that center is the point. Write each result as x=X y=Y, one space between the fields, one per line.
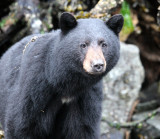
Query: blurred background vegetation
x=141 y=27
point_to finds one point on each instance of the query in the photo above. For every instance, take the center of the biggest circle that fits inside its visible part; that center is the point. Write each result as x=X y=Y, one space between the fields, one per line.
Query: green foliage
x=153 y=115
x=140 y=125
x=128 y=25
x=42 y=31
x=2 y=23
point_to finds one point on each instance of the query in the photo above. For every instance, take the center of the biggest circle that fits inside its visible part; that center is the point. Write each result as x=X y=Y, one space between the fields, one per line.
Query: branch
x=134 y=123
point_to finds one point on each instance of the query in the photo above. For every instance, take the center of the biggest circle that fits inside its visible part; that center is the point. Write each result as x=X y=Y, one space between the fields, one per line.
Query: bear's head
x=91 y=45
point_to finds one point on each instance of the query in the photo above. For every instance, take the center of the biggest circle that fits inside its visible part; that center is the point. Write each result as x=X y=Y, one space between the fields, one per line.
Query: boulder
x=121 y=88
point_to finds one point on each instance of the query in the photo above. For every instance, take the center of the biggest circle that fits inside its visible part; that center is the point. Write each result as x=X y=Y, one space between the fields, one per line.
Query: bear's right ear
x=67 y=22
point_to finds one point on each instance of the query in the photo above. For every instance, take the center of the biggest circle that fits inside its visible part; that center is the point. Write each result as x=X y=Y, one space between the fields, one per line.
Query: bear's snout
x=94 y=62
x=97 y=65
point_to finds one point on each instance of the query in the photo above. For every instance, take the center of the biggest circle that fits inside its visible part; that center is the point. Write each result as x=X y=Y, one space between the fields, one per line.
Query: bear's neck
x=67 y=81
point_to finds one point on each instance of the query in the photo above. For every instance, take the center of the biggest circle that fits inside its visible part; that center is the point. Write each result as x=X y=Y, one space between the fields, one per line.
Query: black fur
x=67 y=22
x=33 y=84
x=115 y=23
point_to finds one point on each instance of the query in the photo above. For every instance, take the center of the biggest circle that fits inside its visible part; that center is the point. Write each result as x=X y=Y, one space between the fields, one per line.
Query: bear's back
x=12 y=62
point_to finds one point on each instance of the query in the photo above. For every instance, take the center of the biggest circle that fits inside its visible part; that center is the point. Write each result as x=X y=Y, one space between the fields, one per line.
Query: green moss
x=83 y=14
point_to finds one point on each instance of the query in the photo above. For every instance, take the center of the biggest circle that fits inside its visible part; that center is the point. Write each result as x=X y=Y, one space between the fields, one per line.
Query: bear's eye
x=104 y=44
x=83 y=45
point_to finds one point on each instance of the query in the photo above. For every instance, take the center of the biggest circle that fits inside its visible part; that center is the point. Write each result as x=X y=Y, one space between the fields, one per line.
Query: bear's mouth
x=91 y=72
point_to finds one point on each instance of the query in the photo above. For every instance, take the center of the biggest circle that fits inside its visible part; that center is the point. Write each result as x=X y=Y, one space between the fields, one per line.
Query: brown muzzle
x=94 y=62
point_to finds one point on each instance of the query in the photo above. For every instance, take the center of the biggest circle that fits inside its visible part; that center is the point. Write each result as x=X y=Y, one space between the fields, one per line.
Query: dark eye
x=104 y=44
x=83 y=45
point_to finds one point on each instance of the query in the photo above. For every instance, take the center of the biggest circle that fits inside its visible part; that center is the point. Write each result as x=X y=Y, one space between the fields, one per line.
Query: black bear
x=50 y=84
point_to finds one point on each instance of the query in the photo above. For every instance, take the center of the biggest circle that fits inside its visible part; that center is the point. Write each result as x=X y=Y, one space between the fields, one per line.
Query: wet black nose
x=98 y=66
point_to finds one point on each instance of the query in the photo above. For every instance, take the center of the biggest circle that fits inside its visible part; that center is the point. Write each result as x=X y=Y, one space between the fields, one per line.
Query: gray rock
x=121 y=87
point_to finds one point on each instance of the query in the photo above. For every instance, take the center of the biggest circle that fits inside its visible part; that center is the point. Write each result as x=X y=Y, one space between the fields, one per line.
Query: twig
x=128 y=132
x=32 y=40
x=134 y=123
x=150 y=105
x=132 y=110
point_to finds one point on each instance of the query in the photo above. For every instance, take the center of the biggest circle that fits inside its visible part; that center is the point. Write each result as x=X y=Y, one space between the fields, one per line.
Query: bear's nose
x=98 y=66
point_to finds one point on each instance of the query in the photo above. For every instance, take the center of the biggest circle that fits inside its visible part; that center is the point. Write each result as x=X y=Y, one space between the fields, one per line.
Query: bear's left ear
x=115 y=23
x=67 y=22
